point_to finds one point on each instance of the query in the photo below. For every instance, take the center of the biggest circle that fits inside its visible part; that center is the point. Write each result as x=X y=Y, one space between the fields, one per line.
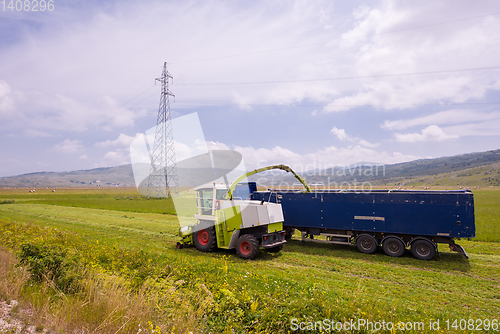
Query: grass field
x=120 y=236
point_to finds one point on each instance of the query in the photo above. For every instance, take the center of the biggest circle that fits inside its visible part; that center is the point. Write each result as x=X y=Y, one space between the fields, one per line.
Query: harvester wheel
x=366 y=244
x=204 y=240
x=179 y=245
x=247 y=247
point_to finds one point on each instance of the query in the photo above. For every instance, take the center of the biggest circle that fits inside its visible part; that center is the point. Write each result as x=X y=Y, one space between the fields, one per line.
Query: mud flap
x=459 y=249
x=234 y=239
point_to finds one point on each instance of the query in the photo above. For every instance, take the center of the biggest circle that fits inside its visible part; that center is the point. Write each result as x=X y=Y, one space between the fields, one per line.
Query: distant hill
x=473 y=169
x=392 y=174
x=488 y=175
x=99 y=177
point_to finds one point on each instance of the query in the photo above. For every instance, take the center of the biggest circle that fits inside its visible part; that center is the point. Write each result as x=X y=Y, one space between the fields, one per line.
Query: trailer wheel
x=204 y=240
x=366 y=244
x=275 y=249
x=247 y=247
x=423 y=249
x=289 y=232
x=393 y=247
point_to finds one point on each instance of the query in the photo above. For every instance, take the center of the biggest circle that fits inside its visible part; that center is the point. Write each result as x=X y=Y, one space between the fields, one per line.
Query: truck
x=391 y=219
x=244 y=218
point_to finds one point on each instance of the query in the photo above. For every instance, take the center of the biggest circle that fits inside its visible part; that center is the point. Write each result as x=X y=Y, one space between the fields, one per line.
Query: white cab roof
x=211 y=185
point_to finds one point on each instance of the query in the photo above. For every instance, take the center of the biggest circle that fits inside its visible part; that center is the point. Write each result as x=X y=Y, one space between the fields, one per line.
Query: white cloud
x=6 y=103
x=321 y=158
x=368 y=144
x=122 y=140
x=84 y=51
x=262 y=156
x=342 y=136
x=216 y=146
x=114 y=158
x=430 y=133
x=460 y=45
x=69 y=146
x=340 y=133
x=452 y=123
x=485 y=128
x=449 y=117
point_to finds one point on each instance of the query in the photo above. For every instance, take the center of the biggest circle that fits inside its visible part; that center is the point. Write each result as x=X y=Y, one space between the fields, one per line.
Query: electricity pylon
x=163 y=181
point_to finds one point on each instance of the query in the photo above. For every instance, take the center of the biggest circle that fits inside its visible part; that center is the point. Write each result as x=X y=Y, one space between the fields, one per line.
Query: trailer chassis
x=422 y=247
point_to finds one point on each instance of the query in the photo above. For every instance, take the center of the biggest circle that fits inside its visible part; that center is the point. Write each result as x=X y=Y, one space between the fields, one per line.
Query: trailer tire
x=423 y=249
x=366 y=244
x=289 y=232
x=275 y=249
x=204 y=240
x=247 y=247
x=394 y=246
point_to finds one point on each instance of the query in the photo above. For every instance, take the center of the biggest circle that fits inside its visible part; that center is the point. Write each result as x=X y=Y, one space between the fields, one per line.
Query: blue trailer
x=392 y=219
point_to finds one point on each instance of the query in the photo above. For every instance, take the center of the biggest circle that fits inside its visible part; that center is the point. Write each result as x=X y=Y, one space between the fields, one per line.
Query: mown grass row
x=122 y=199
x=487 y=204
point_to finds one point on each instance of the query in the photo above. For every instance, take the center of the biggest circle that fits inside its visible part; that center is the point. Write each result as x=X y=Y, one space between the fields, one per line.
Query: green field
x=119 y=235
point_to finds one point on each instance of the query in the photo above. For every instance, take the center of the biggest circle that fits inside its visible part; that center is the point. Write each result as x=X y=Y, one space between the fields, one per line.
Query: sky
x=310 y=84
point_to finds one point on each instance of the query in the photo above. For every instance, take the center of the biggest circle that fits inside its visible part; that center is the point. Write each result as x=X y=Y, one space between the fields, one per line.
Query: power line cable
x=339 y=78
x=223 y=103
x=333 y=40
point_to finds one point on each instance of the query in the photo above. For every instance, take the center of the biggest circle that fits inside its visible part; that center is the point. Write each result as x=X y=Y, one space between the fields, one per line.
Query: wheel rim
x=245 y=248
x=366 y=243
x=423 y=249
x=393 y=247
x=203 y=237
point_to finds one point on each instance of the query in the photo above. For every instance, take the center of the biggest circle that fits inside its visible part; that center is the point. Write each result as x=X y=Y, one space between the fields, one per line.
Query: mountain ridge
x=122 y=176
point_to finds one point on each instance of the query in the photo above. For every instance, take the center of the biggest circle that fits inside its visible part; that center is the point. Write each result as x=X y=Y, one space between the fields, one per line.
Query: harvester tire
x=247 y=247
x=204 y=240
